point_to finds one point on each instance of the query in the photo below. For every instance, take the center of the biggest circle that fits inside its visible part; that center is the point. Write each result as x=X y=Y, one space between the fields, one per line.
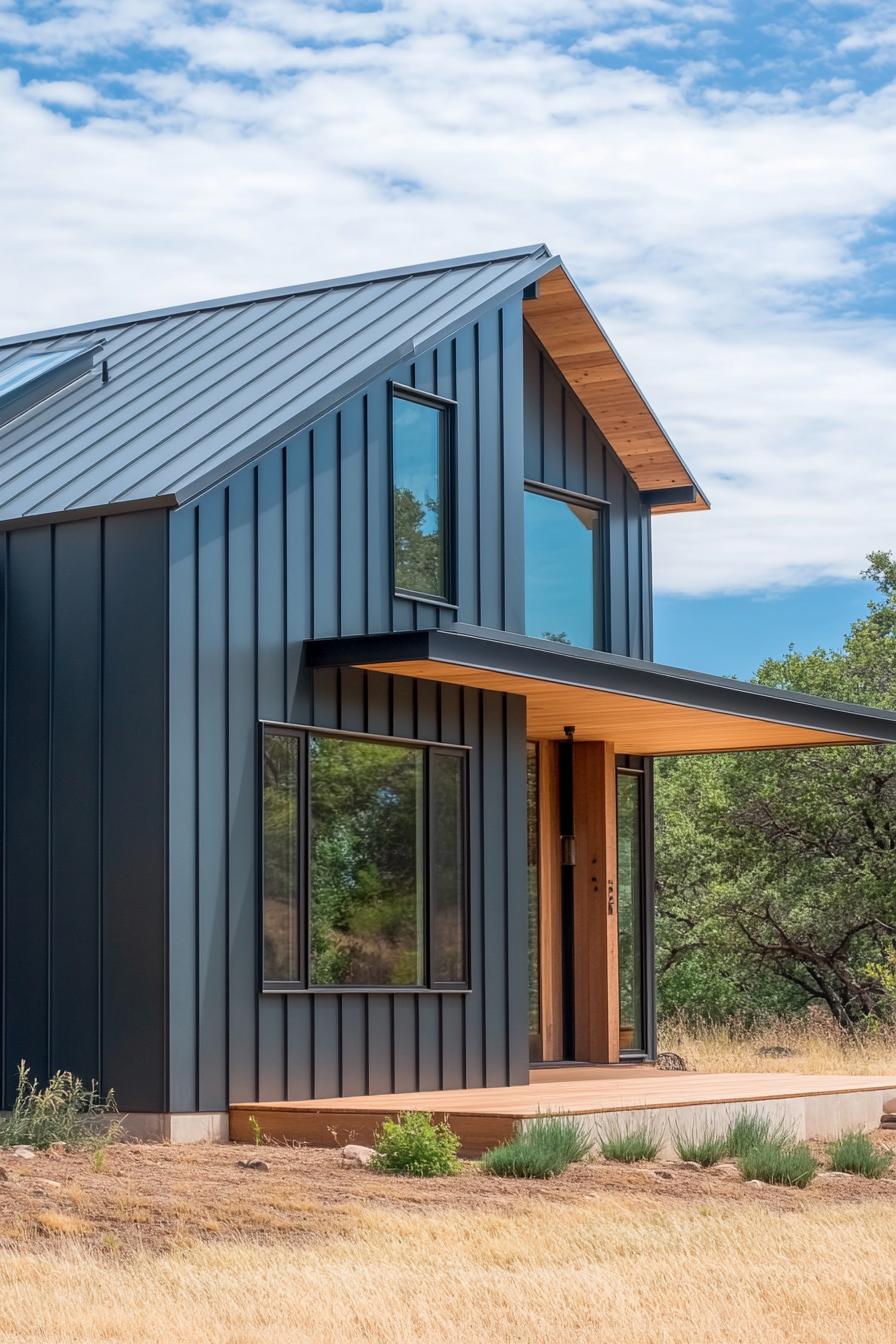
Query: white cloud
x=62 y=93
x=646 y=35
x=709 y=233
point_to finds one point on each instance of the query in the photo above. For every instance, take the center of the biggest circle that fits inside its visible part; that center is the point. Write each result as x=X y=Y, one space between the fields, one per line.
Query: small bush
x=632 y=1143
x=703 y=1147
x=778 y=1163
x=752 y=1129
x=545 y=1147
x=854 y=1152
x=65 y=1111
x=414 y=1146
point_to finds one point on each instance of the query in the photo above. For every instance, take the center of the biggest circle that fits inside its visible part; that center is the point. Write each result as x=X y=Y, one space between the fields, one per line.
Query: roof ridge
x=535 y=250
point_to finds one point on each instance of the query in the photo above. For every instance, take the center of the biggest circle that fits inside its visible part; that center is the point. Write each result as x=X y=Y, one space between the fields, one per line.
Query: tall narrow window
x=563 y=550
x=421 y=496
x=630 y=859
x=364 y=862
x=281 y=858
x=448 y=935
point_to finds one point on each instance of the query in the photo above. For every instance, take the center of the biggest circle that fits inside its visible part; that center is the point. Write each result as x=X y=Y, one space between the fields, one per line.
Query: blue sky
x=720 y=176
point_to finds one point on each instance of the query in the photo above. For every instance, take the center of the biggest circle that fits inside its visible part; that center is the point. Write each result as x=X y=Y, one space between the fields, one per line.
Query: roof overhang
x=644 y=709
x=564 y=324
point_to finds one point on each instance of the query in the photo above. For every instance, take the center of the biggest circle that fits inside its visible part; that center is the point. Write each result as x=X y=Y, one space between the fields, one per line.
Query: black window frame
x=448 y=480
x=601 y=594
x=428 y=984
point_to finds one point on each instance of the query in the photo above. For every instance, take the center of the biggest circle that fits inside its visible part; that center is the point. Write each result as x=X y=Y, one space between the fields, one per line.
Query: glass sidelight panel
x=535 y=1035
x=630 y=862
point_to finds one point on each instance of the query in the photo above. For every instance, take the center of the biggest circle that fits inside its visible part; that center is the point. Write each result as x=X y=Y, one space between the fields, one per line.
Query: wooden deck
x=483 y=1117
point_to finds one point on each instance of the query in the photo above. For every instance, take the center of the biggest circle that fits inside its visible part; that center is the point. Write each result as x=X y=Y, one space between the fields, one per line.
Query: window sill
x=362 y=989
x=407 y=596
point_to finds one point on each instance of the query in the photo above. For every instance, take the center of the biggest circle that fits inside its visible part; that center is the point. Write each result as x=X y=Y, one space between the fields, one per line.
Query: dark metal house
x=328 y=701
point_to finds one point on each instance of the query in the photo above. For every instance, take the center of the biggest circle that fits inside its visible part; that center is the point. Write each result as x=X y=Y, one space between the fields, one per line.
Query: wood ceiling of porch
x=635 y=726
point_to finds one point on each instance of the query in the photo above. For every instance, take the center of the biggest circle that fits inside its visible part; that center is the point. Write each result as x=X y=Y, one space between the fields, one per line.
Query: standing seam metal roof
x=196 y=391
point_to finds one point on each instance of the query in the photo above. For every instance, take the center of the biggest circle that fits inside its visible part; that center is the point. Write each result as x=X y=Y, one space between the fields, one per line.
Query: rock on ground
x=356 y=1155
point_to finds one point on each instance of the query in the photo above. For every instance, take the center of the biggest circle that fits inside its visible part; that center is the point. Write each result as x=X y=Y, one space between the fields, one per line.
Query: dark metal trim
x=560 y=492
x=519 y=655
x=297 y=728
x=680 y=494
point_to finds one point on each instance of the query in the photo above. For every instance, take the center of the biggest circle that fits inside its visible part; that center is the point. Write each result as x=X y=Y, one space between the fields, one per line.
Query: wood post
x=596 y=953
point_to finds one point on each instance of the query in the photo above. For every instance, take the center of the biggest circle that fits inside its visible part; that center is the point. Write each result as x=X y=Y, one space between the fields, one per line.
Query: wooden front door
x=573 y=960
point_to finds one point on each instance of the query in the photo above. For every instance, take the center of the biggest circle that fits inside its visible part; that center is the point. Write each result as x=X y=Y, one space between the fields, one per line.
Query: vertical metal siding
x=83 y=948
x=564 y=447
x=296 y=547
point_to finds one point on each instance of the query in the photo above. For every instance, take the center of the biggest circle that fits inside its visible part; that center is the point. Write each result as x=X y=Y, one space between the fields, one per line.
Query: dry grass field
x=814 y=1044
x=181 y=1244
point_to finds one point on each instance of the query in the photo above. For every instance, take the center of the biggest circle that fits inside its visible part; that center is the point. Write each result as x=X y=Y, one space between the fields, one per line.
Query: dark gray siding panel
x=26 y=948
x=83 y=947
x=76 y=796
x=564 y=447
x=302 y=1045
x=298 y=547
x=134 y=820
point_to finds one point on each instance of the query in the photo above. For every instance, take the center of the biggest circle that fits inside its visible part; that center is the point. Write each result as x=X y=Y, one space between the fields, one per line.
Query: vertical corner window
x=364 y=863
x=563 y=547
x=630 y=870
x=280 y=810
x=421 y=496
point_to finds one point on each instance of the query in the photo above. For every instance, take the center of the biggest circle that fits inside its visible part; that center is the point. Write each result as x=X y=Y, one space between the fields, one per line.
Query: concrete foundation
x=168 y=1127
x=808 y=1117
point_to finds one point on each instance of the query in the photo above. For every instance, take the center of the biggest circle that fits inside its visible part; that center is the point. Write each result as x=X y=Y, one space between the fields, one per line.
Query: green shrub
x=854 y=1152
x=781 y=1162
x=701 y=1146
x=65 y=1111
x=544 y=1147
x=413 y=1145
x=638 y=1142
x=752 y=1129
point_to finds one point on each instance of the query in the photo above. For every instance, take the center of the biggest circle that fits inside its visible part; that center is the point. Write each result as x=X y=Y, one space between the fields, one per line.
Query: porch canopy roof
x=644 y=709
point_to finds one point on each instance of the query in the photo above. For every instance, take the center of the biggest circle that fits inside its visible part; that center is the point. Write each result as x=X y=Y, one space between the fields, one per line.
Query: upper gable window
x=564 y=567
x=422 y=471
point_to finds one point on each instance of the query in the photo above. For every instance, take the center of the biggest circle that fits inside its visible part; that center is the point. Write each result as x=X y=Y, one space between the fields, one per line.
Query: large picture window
x=421 y=495
x=364 y=862
x=563 y=568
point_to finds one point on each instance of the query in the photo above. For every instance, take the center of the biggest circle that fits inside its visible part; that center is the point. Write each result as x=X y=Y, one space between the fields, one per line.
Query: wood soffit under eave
x=573 y=340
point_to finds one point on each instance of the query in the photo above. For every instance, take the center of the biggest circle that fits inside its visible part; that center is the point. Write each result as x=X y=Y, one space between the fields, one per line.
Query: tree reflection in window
x=366 y=878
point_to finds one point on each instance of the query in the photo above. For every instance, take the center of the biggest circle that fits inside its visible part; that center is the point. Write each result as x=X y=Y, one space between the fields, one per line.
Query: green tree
x=418 y=542
x=776 y=871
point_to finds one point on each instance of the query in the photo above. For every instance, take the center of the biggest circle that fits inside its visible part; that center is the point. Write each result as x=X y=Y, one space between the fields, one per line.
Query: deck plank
x=589 y=1090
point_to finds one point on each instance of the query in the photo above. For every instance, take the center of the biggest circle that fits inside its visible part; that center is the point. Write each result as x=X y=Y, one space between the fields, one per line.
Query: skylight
x=31 y=378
